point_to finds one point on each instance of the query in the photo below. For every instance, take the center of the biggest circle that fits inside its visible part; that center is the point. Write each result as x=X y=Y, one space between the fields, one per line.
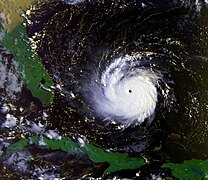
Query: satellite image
x=103 y=89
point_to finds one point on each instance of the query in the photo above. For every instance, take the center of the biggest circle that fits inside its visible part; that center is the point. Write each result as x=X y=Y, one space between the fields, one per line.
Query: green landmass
x=117 y=161
x=189 y=169
x=29 y=64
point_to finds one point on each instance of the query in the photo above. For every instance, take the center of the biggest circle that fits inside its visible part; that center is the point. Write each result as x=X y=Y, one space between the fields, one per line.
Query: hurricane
x=126 y=91
x=124 y=69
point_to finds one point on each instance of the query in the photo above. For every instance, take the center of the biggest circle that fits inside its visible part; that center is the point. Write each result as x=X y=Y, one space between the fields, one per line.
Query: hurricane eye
x=130 y=91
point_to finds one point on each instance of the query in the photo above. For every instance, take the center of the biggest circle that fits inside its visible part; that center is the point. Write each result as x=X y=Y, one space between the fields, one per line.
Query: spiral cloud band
x=126 y=91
